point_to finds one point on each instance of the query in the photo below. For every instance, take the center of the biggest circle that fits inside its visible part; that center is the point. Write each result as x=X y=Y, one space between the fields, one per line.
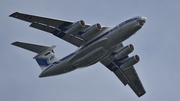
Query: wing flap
x=59 y=33
x=42 y=27
x=121 y=77
x=134 y=81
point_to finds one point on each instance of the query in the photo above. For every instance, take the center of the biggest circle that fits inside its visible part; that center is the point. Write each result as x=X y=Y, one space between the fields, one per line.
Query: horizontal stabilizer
x=39 y=49
x=31 y=47
x=45 y=55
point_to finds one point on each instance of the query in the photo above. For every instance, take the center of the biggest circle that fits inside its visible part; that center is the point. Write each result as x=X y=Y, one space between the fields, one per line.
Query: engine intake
x=76 y=26
x=130 y=62
x=91 y=30
x=124 y=51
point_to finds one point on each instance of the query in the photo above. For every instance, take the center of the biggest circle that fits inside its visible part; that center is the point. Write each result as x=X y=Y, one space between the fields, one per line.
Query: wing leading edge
x=126 y=76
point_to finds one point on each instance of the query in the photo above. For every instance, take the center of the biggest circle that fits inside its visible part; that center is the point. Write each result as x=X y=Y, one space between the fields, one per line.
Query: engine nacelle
x=91 y=30
x=124 y=51
x=74 y=27
x=130 y=62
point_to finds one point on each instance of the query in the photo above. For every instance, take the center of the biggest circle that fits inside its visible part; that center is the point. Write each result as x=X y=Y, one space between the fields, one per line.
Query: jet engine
x=91 y=30
x=130 y=62
x=124 y=51
x=76 y=26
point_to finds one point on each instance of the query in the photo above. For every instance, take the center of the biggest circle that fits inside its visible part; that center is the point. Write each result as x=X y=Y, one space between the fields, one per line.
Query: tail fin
x=45 y=55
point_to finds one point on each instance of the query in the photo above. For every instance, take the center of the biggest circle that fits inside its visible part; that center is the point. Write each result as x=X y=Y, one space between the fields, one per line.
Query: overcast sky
x=157 y=43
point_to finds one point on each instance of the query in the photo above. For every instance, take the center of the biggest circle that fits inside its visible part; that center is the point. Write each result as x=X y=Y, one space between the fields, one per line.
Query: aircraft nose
x=142 y=21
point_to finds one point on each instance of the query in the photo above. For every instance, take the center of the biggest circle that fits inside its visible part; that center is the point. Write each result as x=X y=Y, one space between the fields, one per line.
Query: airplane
x=95 y=43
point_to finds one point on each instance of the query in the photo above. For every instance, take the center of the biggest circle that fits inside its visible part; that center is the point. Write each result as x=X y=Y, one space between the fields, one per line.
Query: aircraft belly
x=89 y=54
x=61 y=68
x=90 y=58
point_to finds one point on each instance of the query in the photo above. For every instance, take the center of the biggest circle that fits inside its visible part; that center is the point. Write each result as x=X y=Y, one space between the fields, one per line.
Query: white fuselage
x=96 y=49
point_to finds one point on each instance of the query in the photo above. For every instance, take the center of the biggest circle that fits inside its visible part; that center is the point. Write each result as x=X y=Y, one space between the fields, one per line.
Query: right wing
x=126 y=76
x=56 y=27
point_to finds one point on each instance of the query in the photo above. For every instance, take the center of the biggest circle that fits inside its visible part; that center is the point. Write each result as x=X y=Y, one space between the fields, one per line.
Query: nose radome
x=144 y=19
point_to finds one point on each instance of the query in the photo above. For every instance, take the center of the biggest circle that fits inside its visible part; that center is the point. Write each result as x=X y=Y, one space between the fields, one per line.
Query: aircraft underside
x=95 y=43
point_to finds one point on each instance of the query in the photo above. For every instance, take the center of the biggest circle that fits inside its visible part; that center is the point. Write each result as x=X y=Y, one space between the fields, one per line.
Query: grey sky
x=157 y=43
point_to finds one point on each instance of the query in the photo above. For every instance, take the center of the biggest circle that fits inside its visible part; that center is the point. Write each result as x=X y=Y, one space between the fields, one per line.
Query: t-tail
x=45 y=55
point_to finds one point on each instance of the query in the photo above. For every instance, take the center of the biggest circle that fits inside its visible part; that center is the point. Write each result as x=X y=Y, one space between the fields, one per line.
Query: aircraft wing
x=126 y=76
x=55 y=27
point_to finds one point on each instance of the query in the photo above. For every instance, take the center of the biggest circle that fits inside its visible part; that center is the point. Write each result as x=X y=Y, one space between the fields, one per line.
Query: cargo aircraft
x=95 y=43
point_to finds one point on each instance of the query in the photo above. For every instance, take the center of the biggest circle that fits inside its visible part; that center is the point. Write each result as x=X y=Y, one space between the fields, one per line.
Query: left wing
x=127 y=75
x=60 y=28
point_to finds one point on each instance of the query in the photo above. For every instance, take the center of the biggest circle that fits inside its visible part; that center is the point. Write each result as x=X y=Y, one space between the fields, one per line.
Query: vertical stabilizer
x=46 y=59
